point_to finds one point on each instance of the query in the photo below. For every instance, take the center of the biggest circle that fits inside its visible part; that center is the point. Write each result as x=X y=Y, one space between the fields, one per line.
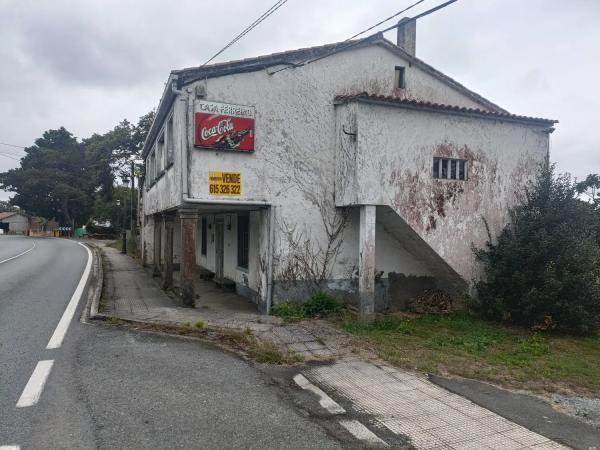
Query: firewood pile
x=433 y=301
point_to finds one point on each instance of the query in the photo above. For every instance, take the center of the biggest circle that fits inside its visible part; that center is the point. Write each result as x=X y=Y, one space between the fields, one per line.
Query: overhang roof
x=365 y=97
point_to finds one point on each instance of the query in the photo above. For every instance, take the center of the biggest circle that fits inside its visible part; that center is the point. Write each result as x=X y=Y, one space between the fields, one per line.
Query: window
x=243 y=235
x=204 y=235
x=160 y=155
x=400 y=81
x=152 y=174
x=449 y=168
x=170 y=143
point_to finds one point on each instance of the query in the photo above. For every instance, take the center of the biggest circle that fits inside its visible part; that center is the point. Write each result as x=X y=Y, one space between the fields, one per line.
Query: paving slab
x=411 y=406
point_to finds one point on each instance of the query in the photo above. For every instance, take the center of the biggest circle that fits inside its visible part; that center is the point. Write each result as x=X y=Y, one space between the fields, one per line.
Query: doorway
x=219 y=249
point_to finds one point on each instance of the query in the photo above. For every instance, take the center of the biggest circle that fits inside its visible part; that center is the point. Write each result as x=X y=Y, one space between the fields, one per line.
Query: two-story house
x=354 y=168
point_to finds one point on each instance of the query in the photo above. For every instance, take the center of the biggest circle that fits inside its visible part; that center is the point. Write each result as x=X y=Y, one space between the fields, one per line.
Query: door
x=219 y=249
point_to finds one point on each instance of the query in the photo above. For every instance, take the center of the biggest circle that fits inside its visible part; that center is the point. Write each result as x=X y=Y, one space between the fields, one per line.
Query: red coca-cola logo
x=224 y=132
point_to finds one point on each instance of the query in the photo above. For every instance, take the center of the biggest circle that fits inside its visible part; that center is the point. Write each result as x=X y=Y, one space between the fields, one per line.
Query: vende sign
x=223 y=126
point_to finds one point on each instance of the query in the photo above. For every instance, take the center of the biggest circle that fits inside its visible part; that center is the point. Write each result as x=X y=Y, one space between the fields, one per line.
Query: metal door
x=219 y=249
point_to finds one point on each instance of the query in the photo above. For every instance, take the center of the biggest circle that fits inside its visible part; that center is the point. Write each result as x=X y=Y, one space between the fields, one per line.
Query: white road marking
x=61 y=329
x=325 y=400
x=362 y=433
x=14 y=257
x=35 y=385
x=9 y=447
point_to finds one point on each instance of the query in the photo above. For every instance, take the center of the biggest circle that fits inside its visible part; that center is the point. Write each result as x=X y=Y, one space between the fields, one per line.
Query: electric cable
x=249 y=28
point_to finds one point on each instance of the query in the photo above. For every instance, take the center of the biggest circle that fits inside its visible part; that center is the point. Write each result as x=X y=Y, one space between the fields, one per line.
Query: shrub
x=543 y=271
x=320 y=304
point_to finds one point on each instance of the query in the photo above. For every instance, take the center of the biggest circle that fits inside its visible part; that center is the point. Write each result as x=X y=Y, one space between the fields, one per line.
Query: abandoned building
x=14 y=222
x=354 y=168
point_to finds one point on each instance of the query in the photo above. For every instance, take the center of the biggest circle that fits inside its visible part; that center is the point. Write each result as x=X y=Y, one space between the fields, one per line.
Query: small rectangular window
x=436 y=167
x=400 y=77
x=444 y=168
x=170 y=143
x=453 y=169
x=243 y=236
x=449 y=168
x=204 y=236
x=160 y=154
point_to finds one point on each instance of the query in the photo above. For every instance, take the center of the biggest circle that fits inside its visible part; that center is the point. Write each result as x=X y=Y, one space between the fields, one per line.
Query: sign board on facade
x=225 y=183
x=224 y=126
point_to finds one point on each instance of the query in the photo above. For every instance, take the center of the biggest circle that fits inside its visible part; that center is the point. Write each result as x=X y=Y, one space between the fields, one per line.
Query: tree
x=7 y=207
x=544 y=269
x=53 y=180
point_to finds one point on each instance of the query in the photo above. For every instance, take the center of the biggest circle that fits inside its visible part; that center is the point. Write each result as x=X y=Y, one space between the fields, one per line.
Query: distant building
x=354 y=168
x=14 y=222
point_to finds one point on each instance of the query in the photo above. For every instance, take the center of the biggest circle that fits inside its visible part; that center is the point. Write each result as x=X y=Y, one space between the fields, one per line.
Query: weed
x=186 y=324
x=199 y=324
x=320 y=304
x=270 y=353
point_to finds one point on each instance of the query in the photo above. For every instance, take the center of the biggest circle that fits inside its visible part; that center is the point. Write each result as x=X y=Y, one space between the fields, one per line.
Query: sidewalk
x=412 y=408
x=131 y=293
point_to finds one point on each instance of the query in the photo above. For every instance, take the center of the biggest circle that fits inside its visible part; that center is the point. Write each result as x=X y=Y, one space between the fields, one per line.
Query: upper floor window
x=400 y=80
x=170 y=143
x=160 y=154
x=450 y=168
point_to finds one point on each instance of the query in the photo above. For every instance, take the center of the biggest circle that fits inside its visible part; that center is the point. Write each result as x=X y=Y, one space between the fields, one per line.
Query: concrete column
x=167 y=279
x=366 y=262
x=157 y=246
x=189 y=222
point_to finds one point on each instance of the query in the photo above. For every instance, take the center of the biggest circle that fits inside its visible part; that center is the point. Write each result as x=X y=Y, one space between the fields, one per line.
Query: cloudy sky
x=86 y=64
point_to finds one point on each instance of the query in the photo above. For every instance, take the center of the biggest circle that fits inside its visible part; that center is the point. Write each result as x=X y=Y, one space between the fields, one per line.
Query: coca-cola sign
x=224 y=126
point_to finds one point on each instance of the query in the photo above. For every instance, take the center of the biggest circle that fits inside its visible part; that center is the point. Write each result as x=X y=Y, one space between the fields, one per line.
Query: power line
x=11 y=145
x=8 y=155
x=249 y=28
x=349 y=43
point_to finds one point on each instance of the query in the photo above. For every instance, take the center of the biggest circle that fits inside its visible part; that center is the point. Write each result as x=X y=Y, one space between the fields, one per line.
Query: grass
x=459 y=344
x=320 y=304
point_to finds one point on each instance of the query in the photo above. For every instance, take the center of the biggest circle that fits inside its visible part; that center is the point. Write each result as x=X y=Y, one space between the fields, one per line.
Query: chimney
x=407 y=35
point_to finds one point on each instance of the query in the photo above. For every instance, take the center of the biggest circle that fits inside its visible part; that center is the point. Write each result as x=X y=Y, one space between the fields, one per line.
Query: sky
x=86 y=65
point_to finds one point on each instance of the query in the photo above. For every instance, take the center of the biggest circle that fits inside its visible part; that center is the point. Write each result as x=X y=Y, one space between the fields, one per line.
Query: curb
x=94 y=286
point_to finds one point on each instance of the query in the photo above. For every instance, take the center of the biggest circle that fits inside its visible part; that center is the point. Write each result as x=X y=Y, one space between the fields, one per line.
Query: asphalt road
x=113 y=388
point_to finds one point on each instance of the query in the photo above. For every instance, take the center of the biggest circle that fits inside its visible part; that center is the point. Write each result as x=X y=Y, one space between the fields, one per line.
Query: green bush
x=320 y=304
x=543 y=271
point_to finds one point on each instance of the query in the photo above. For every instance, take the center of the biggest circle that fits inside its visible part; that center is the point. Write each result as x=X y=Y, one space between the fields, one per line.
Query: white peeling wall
x=293 y=166
x=395 y=154
x=166 y=192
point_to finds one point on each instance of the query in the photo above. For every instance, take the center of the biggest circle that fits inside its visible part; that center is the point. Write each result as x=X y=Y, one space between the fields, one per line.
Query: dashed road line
x=15 y=257
x=63 y=325
x=324 y=400
x=9 y=447
x=362 y=433
x=33 y=390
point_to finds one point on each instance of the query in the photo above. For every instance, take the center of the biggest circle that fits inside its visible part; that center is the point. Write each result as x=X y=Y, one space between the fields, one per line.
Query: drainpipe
x=183 y=166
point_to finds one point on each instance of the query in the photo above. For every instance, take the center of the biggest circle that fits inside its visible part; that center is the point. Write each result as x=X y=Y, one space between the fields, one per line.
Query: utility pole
x=124 y=228
x=131 y=225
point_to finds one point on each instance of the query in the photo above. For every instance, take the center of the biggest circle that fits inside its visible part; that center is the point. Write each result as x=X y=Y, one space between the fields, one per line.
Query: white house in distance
x=13 y=222
x=354 y=168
